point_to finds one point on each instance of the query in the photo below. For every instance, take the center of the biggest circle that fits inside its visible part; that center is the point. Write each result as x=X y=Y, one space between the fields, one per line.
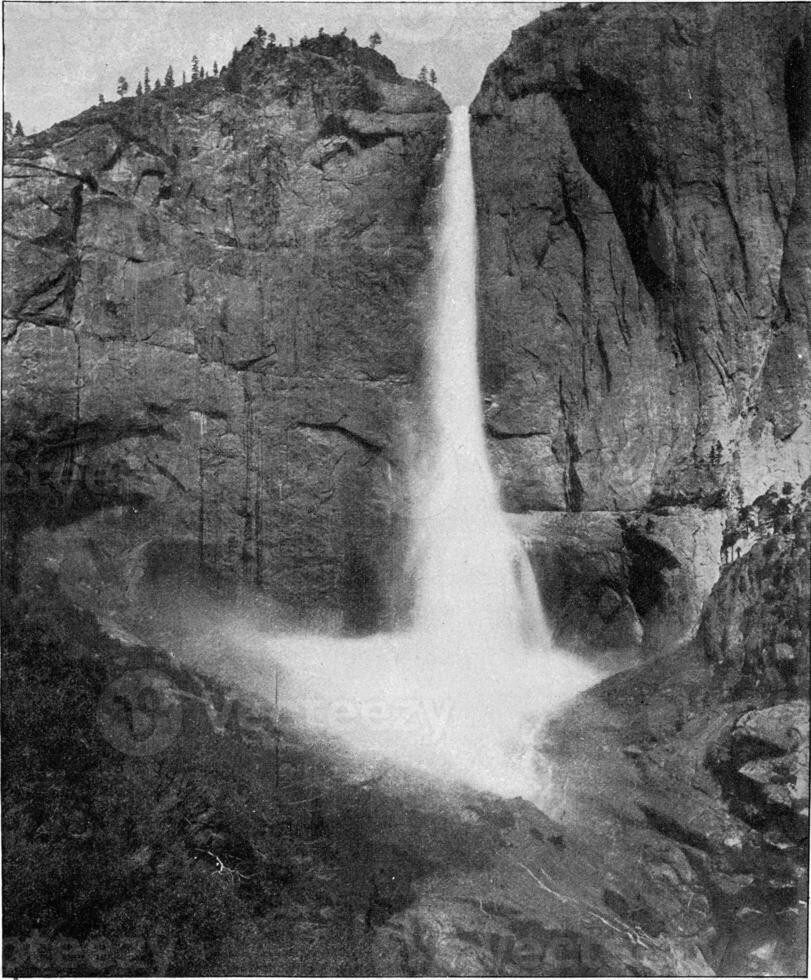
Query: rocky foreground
x=191 y=827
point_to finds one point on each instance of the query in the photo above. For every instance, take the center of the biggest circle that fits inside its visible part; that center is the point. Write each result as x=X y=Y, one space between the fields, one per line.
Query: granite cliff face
x=211 y=320
x=643 y=177
x=643 y=181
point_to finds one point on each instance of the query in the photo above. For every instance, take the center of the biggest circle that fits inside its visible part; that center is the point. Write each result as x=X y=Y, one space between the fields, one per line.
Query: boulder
x=770 y=750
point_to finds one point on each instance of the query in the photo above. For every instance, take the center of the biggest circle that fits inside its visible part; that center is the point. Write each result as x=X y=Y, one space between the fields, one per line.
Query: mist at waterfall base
x=461 y=694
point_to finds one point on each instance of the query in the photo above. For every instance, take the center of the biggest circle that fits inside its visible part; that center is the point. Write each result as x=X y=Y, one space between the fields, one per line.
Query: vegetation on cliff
x=755 y=625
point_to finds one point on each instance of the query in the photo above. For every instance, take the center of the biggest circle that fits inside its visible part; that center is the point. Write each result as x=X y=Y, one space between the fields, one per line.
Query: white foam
x=466 y=713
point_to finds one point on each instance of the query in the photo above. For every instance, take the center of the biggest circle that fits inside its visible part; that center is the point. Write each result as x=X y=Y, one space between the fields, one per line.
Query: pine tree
x=423 y=75
x=18 y=129
x=157 y=84
x=147 y=86
x=260 y=34
x=195 y=68
x=123 y=87
x=101 y=98
x=184 y=78
x=432 y=77
x=375 y=39
x=321 y=32
x=271 y=39
x=169 y=80
x=139 y=90
x=215 y=70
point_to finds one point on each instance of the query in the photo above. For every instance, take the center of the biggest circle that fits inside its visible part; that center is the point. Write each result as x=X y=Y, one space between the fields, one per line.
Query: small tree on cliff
x=215 y=70
x=101 y=98
x=375 y=39
x=260 y=34
x=432 y=77
x=139 y=91
x=18 y=130
x=195 y=67
x=169 y=80
x=147 y=85
x=423 y=75
x=123 y=87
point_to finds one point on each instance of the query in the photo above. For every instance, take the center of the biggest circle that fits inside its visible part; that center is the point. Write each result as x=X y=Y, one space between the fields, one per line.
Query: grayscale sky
x=59 y=56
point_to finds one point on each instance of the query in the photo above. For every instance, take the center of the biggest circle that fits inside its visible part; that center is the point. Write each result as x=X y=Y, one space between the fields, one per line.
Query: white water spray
x=461 y=694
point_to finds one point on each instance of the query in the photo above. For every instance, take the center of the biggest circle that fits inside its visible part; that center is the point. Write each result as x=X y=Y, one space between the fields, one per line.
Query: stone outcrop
x=212 y=318
x=755 y=625
x=643 y=176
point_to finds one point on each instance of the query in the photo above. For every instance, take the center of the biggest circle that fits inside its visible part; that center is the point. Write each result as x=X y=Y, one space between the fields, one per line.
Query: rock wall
x=643 y=178
x=212 y=318
x=755 y=625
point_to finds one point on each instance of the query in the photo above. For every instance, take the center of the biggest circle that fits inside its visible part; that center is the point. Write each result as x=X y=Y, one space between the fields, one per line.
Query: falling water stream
x=462 y=693
x=474 y=583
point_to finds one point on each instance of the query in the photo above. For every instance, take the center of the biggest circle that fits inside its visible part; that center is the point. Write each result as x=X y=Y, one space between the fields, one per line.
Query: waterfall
x=462 y=693
x=474 y=582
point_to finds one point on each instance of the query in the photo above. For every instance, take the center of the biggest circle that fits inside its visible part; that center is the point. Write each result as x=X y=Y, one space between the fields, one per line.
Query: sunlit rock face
x=643 y=182
x=213 y=316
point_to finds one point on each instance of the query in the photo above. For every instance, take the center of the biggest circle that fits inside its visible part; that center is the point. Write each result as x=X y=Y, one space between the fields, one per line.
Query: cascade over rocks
x=614 y=581
x=211 y=319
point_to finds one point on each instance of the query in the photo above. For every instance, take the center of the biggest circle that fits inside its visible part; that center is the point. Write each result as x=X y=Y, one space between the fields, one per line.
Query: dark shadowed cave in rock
x=406 y=522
